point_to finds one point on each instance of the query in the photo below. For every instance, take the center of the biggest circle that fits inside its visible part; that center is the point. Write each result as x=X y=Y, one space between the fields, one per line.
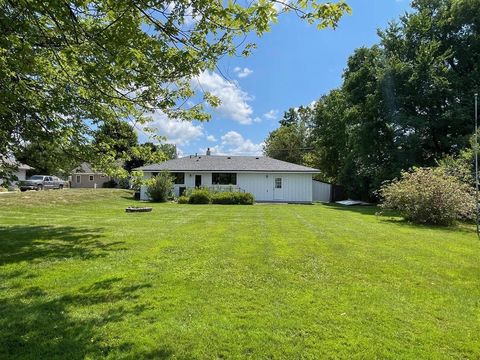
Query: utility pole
x=476 y=164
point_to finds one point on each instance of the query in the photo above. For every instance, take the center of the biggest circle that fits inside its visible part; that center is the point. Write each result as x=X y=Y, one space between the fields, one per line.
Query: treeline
x=113 y=148
x=407 y=101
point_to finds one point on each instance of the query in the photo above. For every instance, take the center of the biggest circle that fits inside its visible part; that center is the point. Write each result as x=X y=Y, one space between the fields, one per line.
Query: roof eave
x=313 y=171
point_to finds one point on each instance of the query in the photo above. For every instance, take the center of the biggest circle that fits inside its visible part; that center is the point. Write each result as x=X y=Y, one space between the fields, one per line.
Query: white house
x=20 y=173
x=268 y=179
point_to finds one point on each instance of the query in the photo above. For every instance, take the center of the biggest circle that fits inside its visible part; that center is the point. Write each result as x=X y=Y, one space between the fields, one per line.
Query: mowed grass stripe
x=80 y=279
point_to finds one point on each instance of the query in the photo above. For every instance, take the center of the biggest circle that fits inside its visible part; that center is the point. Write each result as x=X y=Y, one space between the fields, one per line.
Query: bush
x=136 y=180
x=159 y=188
x=183 y=200
x=199 y=196
x=110 y=184
x=205 y=196
x=460 y=166
x=245 y=199
x=429 y=196
x=234 y=198
x=124 y=183
x=223 y=198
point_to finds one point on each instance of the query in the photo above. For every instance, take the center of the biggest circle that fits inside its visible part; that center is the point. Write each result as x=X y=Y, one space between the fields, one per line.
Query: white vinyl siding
x=295 y=187
x=20 y=174
x=321 y=191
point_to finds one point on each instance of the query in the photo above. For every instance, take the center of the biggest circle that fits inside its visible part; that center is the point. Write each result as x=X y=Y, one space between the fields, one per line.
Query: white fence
x=321 y=191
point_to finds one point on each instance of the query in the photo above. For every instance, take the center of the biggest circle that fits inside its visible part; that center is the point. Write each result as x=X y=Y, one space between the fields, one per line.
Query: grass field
x=82 y=279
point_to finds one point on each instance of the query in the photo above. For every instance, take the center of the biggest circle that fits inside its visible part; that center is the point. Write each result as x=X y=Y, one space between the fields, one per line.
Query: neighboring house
x=21 y=172
x=85 y=177
x=269 y=180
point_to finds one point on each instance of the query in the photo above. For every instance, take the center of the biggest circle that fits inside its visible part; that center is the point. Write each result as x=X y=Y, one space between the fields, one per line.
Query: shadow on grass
x=129 y=198
x=459 y=227
x=37 y=325
x=359 y=209
x=29 y=243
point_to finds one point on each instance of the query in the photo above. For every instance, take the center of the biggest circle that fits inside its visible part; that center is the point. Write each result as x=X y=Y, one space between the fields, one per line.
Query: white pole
x=476 y=163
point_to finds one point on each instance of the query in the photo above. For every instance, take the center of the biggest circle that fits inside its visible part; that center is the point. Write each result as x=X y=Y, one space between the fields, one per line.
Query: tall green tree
x=405 y=102
x=433 y=59
x=290 y=141
x=115 y=138
x=67 y=67
x=46 y=158
x=370 y=158
x=149 y=153
x=328 y=136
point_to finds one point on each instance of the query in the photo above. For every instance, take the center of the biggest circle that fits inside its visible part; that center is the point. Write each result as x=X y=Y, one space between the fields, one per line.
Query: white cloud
x=211 y=138
x=214 y=150
x=279 y=7
x=234 y=101
x=232 y=138
x=176 y=131
x=233 y=143
x=190 y=17
x=180 y=152
x=239 y=145
x=271 y=115
x=241 y=73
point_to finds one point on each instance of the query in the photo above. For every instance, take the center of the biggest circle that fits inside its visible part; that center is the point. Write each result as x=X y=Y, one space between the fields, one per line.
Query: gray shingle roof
x=84 y=168
x=13 y=162
x=227 y=163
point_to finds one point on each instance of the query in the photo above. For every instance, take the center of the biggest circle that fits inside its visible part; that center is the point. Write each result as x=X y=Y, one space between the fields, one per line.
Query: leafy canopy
x=290 y=141
x=405 y=102
x=67 y=67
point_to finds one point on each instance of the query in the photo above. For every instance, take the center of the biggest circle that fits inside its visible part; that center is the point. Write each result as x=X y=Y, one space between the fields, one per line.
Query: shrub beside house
x=206 y=196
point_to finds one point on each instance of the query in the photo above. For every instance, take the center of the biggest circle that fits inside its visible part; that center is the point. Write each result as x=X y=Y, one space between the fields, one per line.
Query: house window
x=90 y=177
x=224 y=179
x=179 y=178
x=278 y=183
x=78 y=179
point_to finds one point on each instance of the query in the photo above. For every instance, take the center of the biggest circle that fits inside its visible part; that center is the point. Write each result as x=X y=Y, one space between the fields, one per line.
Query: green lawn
x=82 y=279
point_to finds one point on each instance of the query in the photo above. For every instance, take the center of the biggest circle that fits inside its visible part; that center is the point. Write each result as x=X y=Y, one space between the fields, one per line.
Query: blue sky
x=293 y=65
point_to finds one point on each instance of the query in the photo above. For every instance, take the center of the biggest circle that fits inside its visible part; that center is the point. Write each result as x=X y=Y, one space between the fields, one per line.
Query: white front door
x=278 y=188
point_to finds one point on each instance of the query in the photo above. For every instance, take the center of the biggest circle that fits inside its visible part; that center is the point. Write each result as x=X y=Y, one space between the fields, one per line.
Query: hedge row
x=203 y=196
x=234 y=198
